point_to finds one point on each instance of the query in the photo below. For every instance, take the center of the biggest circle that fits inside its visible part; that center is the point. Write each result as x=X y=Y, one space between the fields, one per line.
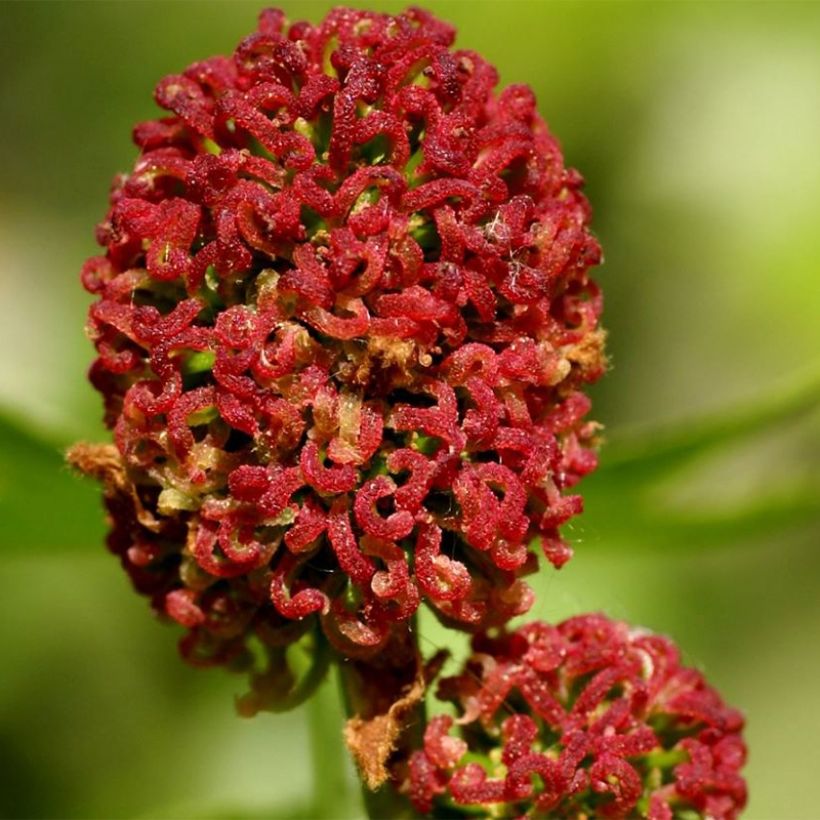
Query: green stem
x=332 y=793
x=368 y=690
x=385 y=803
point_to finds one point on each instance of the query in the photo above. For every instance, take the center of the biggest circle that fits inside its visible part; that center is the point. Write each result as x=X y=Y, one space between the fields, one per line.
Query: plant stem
x=379 y=691
x=333 y=797
x=385 y=803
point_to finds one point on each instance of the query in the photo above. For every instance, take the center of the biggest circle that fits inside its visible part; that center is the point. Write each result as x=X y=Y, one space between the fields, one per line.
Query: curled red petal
x=331 y=480
x=392 y=528
x=350 y=557
x=295 y=604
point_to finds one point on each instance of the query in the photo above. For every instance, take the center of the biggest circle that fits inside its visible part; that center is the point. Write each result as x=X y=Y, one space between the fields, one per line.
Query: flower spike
x=343 y=320
x=589 y=718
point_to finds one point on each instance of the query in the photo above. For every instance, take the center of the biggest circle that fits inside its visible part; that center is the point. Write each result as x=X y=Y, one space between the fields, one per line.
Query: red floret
x=343 y=320
x=602 y=714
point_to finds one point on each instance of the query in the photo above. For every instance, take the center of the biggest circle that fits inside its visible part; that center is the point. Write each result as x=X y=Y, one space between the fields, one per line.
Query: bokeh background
x=697 y=126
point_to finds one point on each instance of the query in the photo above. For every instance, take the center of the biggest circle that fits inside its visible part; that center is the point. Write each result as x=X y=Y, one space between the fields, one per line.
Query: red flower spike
x=605 y=716
x=343 y=319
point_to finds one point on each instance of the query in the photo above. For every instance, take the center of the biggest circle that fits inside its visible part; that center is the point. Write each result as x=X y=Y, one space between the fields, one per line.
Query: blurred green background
x=697 y=126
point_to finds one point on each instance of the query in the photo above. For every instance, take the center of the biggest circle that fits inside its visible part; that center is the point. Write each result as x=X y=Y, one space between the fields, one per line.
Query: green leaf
x=635 y=496
x=664 y=448
x=235 y=812
x=43 y=505
x=631 y=513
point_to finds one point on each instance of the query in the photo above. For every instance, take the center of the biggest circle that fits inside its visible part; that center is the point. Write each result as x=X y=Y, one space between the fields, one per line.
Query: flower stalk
x=329 y=756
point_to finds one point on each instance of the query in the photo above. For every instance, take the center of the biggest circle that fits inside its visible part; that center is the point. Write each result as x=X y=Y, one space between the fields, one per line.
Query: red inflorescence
x=343 y=320
x=591 y=718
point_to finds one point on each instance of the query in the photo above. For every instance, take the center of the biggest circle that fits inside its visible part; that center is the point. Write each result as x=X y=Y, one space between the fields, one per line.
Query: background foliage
x=697 y=126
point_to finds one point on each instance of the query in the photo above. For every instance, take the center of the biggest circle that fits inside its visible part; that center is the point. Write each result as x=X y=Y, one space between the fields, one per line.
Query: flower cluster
x=590 y=718
x=343 y=321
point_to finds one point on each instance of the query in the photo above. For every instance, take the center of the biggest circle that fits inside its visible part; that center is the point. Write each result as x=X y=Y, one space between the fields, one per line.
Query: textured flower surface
x=590 y=718
x=343 y=320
